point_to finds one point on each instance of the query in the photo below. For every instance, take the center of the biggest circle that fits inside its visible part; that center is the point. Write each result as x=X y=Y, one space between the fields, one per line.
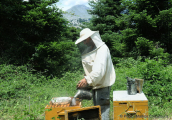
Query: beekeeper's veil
x=85 y=46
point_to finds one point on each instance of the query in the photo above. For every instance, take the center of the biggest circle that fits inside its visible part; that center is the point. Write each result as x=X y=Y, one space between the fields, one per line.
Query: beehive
x=86 y=113
x=65 y=111
x=53 y=110
x=129 y=107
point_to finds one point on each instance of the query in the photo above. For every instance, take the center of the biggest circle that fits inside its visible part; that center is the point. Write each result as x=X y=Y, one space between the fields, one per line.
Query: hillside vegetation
x=39 y=59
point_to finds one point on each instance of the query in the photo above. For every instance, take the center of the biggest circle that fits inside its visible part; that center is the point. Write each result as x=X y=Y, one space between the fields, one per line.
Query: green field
x=24 y=95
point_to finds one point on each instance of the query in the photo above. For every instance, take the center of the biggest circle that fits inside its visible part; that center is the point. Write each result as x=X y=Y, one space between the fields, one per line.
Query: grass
x=30 y=103
x=33 y=108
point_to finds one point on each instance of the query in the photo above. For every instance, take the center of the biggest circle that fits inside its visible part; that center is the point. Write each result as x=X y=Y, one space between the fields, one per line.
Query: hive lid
x=123 y=96
x=60 y=100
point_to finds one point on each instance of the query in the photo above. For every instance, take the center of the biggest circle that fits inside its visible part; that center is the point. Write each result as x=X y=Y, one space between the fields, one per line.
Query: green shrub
x=157 y=75
x=56 y=58
x=15 y=80
x=24 y=95
x=157 y=80
x=144 y=46
x=128 y=62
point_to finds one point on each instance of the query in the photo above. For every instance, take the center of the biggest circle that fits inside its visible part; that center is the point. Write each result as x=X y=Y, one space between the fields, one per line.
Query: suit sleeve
x=99 y=67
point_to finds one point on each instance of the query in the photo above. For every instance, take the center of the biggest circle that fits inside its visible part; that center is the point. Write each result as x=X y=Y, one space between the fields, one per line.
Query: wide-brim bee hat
x=84 y=34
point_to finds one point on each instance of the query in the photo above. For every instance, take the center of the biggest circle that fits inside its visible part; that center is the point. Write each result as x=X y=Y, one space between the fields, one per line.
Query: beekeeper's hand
x=82 y=83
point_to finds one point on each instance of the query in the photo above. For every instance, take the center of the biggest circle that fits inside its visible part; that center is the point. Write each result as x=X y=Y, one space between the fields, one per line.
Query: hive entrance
x=57 y=105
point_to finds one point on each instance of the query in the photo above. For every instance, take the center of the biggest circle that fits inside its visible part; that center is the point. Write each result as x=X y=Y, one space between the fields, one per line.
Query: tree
x=36 y=34
x=149 y=19
x=125 y=24
x=25 y=25
x=105 y=14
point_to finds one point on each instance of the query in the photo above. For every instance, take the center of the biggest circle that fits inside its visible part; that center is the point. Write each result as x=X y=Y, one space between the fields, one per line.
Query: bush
x=19 y=85
x=157 y=77
x=128 y=62
x=16 y=80
x=144 y=46
x=56 y=58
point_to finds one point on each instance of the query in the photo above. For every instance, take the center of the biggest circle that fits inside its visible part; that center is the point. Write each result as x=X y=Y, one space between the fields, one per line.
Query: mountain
x=76 y=12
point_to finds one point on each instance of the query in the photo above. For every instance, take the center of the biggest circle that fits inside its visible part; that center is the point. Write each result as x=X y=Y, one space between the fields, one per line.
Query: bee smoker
x=82 y=93
x=131 y=86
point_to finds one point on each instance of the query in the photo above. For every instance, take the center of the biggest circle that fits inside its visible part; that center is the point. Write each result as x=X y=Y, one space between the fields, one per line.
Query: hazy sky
x=66 y=4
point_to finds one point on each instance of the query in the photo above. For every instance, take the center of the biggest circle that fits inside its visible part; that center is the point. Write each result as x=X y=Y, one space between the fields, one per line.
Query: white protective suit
x=97 y=64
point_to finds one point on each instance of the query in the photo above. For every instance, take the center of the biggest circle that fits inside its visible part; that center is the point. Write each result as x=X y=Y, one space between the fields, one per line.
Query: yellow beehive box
x=129 y=107
x=68 y=112
x=85 y=113
x=52 y=111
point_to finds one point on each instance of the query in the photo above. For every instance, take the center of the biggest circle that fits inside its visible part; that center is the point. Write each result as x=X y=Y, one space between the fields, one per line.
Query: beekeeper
x=98 y=67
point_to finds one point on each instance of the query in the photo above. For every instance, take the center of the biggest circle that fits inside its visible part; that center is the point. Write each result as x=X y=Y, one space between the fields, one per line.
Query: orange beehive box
x=129 y=107
x=86 y=113
x=53 y=110
x=66 y=112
